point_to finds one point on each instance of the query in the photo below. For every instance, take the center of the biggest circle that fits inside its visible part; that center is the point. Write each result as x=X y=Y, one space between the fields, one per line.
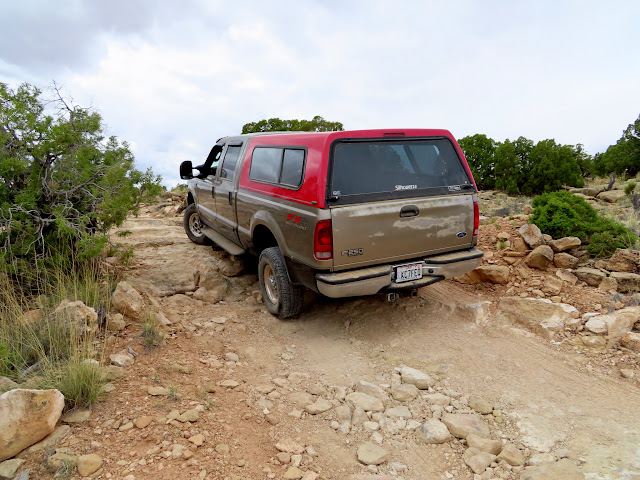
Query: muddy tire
x=193 y=226
x=282 y=298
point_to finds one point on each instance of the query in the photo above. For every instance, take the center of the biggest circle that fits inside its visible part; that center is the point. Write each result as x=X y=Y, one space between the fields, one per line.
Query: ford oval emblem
x=461 y=234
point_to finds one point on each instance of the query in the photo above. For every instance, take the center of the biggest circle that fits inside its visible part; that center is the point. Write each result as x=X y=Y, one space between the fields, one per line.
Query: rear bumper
x=371 y=280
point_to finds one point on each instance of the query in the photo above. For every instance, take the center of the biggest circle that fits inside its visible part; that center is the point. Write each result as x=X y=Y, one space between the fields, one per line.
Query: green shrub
x=563 y=214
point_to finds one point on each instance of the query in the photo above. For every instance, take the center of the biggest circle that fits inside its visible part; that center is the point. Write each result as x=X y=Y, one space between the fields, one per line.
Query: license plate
x=407 y=273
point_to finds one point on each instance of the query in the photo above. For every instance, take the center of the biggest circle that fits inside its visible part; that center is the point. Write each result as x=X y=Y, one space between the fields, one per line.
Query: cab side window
x=230 y=161
x=278 y=165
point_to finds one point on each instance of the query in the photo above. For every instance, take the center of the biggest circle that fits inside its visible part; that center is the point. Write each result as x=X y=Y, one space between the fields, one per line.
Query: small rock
x=318 y=406
x=562 y=469
x=8 y=468
x=158 y=391
x=591 y=276
x=371 y=454
x=88 y=464
x=540 y=258
x=197 y=440
x=293 y=473
x=494 y=447
x=284 y=458
x=437 y=399
x=127 y=300
x=461 y=425
x=189 y=416
x=123 y=359
x=608 y=284
x=631 y=340
x=627 y=373
x=77 y=416
x=371 y=389
x=596 y=325
x=289 y=446
x=365 y=402
x=433 y=431
x=228 y=384
x=481 y=405
x=511 y=455
x=416 y=377
x=222 y=449
x=498 y=274
x=477 y=460
x=115 y=322
x=231 y=357
x=540 y=458
x=398 y=412
x=405 y=392
x=143 y=422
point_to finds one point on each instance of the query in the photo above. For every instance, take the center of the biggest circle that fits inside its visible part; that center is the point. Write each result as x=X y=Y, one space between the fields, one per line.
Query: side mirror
x=186 y=170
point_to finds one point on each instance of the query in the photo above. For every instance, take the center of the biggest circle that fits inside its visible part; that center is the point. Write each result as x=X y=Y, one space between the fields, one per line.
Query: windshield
x=400 y=166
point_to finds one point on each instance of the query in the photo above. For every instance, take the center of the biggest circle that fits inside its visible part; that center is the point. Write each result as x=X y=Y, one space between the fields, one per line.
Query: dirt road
x=251 y=377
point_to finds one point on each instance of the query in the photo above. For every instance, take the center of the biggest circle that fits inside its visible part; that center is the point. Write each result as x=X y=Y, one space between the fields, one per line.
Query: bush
x=563 y=214
x=62 y=184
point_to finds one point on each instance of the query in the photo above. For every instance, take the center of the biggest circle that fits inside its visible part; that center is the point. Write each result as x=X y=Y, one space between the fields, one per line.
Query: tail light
x=476 y=218
x=323 y=240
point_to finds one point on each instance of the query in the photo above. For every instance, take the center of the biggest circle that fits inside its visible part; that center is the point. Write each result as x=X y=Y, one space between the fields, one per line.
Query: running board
x=223 y=242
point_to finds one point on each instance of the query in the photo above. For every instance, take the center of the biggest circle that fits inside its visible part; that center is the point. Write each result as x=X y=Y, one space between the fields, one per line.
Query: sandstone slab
x=624 y=260
x=562 y=469
x=565 y=243
x=627 y=282
x=565 y=260
x=539 y=315
x=494 y=447
x=611 y=196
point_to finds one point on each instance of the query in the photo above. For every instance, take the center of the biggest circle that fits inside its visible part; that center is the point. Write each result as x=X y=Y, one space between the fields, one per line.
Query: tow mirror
x=186 y=170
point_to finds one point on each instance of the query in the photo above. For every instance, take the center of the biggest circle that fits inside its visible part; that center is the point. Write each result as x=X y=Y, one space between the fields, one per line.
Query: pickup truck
x=345 y=213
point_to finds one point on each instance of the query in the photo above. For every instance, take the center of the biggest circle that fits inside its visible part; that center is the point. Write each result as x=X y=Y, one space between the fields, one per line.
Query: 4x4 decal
x=296 y=221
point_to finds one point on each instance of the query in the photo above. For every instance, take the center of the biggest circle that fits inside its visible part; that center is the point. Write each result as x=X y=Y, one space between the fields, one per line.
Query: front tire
x=193 y=226
x=282 y=298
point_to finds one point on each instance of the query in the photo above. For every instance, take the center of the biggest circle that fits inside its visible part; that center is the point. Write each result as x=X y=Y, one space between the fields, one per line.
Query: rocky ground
x=458 y=383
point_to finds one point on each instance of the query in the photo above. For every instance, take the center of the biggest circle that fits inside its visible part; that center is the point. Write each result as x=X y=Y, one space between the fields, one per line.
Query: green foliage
x=561 y=214
x=520 y=167
x=629 y=188
x=317 y=124
x=62 y=184
x=624 y=156
x=479 y=151
x=152 y=333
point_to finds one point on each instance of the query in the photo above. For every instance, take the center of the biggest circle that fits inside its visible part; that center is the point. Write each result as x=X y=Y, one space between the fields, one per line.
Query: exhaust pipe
x=392 y=297
x=414 y=293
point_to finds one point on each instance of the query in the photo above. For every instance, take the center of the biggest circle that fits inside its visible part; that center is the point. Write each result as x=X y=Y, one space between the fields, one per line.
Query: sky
x=171 y=77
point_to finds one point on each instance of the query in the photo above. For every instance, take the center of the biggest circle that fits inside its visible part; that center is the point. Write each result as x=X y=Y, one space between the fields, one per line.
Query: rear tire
x=282 y=298
x=193 y=226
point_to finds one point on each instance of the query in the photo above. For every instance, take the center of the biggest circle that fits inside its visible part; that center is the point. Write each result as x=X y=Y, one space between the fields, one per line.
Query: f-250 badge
x=353 y=252
x=296 y=221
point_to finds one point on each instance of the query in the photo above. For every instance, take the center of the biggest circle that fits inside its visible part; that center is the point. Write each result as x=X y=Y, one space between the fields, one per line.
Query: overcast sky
x=171 y=77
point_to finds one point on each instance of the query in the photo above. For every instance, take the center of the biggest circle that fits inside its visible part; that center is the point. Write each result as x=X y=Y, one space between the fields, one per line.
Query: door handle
x=409 y=211
x=213 y=192
x=230 y=198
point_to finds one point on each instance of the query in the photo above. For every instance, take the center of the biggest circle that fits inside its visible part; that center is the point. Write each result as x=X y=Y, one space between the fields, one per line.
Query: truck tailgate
x=392 y=231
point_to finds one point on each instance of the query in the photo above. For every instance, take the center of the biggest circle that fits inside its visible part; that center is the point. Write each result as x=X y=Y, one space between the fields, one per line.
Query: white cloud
x=173 y=77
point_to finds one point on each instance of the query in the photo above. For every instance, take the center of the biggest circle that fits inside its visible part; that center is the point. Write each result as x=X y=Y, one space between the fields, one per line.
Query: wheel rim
x=270 y=284
x=194 y=225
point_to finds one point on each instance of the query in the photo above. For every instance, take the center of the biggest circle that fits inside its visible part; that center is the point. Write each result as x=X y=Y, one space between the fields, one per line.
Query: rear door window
x=278 y=165
x=367 y=170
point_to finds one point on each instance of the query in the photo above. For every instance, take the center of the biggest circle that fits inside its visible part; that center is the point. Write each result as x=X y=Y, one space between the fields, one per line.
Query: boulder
x=619 y=323
x=477 y=460
x=596 y=325
x=531 y=234
x=624 y=260
x=232 y=266
x=592 y=191
x=7 y=384
x=540 y=258
x=493 y=274
x=565 y=243
x=9 y=468
x=539 y=315
x=433 y=431
x=214 y=295
x=77 y=315
x=26 y=417
x=564 y=260
x=416 y=377
x=631 y=340
x=627 y=282
x=591 y=276
x=460 y=425
x=611 y=196
x=122 y=359
x=127 y=300
x=519 y=245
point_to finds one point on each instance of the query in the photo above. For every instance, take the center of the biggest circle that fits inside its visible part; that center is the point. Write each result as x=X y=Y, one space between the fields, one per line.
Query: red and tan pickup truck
x=343 y=213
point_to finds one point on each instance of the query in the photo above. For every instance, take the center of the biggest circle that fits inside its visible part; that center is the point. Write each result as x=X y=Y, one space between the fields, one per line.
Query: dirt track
x=552 y=399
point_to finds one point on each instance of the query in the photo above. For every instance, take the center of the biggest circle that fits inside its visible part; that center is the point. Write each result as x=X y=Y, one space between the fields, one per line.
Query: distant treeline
x=525 y=167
